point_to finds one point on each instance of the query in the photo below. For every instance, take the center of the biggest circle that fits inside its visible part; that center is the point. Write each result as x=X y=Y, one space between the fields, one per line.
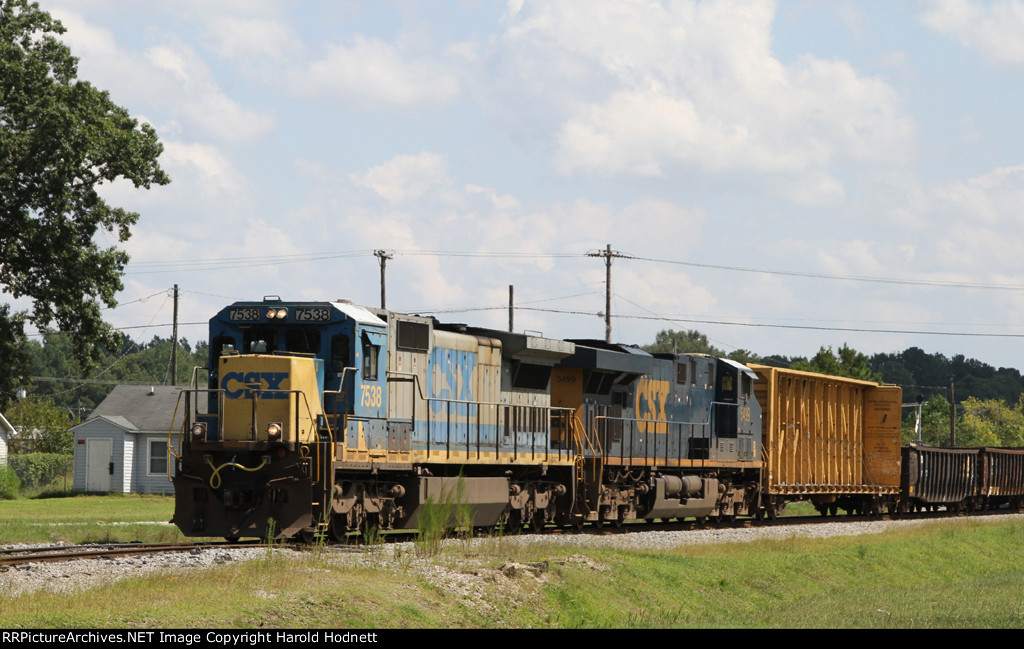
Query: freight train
x=328 y=418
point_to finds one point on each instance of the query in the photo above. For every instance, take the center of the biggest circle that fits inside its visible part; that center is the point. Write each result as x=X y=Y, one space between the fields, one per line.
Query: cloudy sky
x=779 y=175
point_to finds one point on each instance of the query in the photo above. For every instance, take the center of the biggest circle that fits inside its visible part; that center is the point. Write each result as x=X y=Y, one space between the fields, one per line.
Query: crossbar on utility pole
x=384 y=256
x=607 y=253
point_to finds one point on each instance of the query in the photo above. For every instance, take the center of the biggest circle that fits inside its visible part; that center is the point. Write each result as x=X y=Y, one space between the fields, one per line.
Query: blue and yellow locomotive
x=327 y=417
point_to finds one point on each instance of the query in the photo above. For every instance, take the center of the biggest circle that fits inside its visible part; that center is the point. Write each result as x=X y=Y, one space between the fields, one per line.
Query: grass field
x=88 y=519
x=964 y=573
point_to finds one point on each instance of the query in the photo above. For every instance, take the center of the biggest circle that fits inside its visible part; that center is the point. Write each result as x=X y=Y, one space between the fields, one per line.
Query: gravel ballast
x=85 y=573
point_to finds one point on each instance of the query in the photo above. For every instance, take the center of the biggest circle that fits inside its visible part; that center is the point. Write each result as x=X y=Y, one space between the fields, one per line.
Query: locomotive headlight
x=199 y=430
x=274 y=431
x=277 y=313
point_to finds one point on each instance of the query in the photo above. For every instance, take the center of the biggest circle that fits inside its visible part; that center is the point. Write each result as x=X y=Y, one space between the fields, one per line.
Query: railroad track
x=16 y=556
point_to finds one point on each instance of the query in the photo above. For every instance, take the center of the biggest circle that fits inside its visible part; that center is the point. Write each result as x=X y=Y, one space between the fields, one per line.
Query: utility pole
x=174 y=341
x=952 y=417
x=384 y=256
x=607 y=254
x=510 y=310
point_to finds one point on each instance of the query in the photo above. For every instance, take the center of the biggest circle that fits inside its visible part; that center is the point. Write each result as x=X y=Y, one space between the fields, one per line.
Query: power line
x=225 y=263
x=228 y=263
x=819 y=328
x=849 y=278
x=678 y=320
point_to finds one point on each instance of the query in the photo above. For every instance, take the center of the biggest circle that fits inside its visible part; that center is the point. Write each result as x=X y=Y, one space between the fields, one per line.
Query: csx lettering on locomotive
x=238 y=385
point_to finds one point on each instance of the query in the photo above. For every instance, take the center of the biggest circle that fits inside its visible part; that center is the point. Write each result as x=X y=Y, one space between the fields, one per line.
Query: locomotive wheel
x=339 y=527
x=876 y=507
x=515 y=523
x=538 y=522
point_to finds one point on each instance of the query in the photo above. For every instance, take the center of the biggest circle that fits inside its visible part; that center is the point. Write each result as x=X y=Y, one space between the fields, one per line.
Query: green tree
x=849 y=362
x=990 y=422
x=62 y=380
x=934 y=423
x=60 y=140
x=669 y=341
x=48 y=424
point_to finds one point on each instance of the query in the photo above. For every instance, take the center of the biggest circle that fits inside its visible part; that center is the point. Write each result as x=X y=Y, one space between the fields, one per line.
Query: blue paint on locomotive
x=680 y=408
x=453 y=407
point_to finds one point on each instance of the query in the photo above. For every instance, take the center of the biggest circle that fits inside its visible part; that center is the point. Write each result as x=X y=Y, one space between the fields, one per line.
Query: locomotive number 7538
x=371 y=396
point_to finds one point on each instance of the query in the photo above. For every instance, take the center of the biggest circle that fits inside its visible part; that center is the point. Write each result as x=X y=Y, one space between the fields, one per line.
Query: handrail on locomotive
x=256 y=392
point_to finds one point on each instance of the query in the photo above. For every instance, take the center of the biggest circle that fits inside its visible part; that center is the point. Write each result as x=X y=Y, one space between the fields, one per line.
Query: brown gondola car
x=1002 y=477
x=940 y=477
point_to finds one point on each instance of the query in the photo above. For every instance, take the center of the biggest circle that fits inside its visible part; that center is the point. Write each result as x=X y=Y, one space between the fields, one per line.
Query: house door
x=98 y=464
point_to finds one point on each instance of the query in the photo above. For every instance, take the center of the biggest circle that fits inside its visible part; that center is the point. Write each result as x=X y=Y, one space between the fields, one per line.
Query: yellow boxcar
x=828 y=436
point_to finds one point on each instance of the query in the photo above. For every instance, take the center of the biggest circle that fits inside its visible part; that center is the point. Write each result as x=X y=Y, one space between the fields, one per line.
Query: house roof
x=6 y=429
x=145 y=408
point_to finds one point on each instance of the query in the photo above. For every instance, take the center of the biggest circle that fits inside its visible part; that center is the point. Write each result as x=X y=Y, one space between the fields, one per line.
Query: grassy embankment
x=961 y=573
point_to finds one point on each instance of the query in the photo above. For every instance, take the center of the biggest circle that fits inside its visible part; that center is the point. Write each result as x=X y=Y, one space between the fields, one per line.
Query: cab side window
x=370 y=355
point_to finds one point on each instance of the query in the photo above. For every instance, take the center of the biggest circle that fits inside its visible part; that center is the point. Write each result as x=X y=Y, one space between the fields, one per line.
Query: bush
x=10 y=485
x=36 y=470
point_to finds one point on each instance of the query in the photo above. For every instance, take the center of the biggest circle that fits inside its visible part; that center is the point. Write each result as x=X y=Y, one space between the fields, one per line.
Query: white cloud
x=372 y=73
x=979 y=218
x=995 y=199
x=993 y=29
x=404 y=177
x=242 y=38
x=170 y=78
x=633 y=87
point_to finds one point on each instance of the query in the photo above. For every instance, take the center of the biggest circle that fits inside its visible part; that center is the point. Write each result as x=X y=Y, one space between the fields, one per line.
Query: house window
x=158 y=457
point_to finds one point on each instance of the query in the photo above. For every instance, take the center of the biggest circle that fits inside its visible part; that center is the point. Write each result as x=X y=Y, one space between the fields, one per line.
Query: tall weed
x=439 y=517
x=10 y=485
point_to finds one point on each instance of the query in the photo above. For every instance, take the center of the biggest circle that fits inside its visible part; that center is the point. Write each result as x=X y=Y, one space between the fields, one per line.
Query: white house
x=122 y=446
x=6 y=432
